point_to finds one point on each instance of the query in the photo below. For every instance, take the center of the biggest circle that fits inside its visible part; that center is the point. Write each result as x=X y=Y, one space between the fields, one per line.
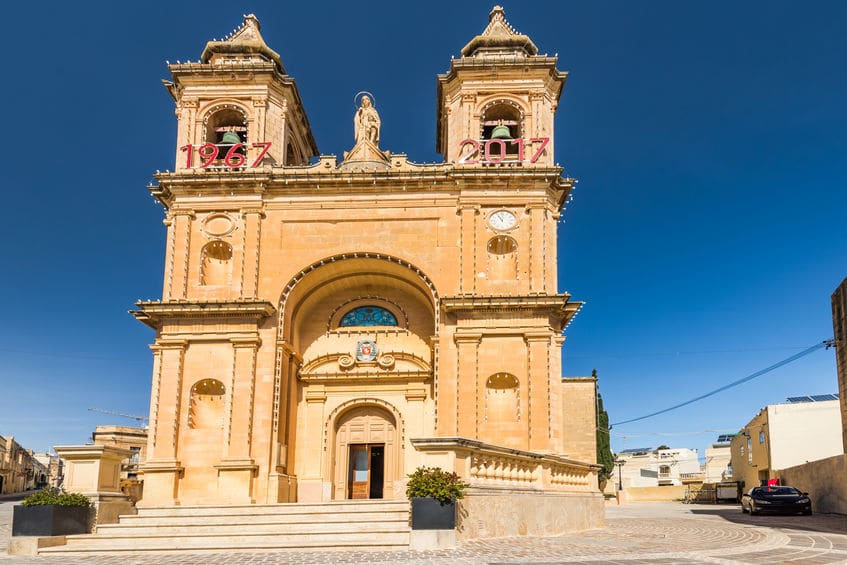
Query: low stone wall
x=655 y=494
x=825 y=480
x=492 y=514
x=514 y=492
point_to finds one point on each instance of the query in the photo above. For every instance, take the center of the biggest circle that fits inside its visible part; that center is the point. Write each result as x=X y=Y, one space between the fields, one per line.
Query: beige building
x=328 y=326
x=718 y=464
x=20 y=470
x=839 y=328
x=125 y=437
x=786 y=435
x=55 y=467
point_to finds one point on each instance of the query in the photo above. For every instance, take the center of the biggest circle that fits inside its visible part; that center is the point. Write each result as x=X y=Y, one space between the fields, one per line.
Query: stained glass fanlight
x=367 y=316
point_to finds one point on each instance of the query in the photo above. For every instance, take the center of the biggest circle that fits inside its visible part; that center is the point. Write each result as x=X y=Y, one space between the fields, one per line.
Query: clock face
x=502 y=220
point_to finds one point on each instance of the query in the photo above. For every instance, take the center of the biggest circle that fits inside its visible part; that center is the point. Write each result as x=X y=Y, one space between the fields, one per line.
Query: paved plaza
x=635 y=533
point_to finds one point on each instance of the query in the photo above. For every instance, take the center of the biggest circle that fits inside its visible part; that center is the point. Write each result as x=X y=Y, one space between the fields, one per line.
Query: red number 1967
x=234 y=157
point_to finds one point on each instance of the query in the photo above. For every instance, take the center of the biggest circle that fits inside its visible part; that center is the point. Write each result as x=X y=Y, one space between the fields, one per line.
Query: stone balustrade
x=487 y=465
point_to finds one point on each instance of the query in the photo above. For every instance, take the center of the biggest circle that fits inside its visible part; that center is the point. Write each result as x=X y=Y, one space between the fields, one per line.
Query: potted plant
x=52 y=512
x=433 y=493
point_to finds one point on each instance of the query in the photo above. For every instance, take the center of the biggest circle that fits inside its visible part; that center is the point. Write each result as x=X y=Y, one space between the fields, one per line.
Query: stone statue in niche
x=366 y=123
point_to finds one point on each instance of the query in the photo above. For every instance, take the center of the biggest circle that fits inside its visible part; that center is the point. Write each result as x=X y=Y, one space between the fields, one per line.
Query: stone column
x=162 y=469
x=237 y=468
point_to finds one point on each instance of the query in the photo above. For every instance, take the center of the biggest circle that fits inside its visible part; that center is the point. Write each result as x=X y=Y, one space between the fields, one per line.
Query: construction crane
x=113 y=413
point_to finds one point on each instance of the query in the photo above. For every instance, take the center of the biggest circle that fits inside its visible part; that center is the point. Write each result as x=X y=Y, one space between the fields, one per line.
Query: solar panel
x=814 y=398
x=725 y=438
x=799 y=399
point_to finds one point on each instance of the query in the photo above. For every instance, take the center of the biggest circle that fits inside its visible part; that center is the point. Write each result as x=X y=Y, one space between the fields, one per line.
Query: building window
x=367 y=316
x=749 y=451
x=762 y=437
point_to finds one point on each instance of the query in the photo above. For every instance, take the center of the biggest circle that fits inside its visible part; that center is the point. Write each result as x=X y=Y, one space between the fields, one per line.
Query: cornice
x=325 y=181
x=154 y=312
x=559 y=305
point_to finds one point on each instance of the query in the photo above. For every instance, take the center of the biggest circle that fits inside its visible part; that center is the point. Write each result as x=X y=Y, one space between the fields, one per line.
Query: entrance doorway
x=367 y=471
x=366 y=458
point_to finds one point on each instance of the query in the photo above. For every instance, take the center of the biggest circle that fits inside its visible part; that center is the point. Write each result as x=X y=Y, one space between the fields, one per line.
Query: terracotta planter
x=429 y=514
x=50 y=520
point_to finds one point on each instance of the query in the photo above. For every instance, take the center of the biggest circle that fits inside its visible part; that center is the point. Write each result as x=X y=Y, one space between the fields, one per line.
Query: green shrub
x=57 y=497
x=432 y=482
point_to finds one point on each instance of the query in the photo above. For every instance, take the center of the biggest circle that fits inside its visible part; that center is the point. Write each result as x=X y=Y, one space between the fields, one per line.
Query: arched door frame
x=330 y=439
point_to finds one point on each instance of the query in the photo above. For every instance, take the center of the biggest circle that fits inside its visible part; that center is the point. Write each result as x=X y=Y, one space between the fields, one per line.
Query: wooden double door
x=366 y=475
x=366 y=457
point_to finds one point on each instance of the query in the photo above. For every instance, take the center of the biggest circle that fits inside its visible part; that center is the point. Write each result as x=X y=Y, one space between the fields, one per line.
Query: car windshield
x=775 y=490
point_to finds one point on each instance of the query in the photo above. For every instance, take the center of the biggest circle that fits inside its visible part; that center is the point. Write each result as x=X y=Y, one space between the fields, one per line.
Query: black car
x=787 y=500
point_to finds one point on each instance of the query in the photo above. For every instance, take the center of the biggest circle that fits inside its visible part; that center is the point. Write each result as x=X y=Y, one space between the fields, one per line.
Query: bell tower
x=237 y=108
x=497 y=102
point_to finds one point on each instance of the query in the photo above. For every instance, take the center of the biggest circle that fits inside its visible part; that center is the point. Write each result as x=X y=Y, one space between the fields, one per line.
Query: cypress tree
x=604 y=448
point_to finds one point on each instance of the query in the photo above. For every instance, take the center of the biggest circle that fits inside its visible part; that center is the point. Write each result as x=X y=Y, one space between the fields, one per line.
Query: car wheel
x=753 y=510
x=807 y=513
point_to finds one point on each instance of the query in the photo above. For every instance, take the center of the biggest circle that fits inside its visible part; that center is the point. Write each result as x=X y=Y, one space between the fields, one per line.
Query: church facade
x=327 y=326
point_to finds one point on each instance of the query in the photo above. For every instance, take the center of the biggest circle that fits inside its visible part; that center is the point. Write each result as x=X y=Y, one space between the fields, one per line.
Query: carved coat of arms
x=366 y=350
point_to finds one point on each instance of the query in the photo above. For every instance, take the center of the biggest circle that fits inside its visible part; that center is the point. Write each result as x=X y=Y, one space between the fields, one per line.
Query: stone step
x=112 y=531
x=259 y=518
x=216 y=543
x=337 y=525
x=287 y=508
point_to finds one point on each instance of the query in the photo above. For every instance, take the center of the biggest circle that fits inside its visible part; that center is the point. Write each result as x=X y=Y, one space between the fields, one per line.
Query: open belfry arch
x=326 y=327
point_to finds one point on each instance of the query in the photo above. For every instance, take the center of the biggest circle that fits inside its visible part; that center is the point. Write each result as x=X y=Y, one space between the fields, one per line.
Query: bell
x=501 y=132
x=230 y=138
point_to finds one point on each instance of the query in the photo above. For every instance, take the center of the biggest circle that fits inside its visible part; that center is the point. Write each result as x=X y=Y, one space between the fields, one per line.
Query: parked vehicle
x=777 y=499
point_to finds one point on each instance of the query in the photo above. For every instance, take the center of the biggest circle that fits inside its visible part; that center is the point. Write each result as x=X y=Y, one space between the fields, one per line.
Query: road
x=637 y=533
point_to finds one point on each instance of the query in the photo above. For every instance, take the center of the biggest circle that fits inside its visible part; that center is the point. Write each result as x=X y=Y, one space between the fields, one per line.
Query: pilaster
x=467 y=393
x=538 y=382
x=468 y=248
x=250 y=254
x=180 y=252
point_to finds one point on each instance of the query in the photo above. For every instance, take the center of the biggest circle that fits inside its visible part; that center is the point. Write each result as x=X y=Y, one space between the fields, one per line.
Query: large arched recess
x=315 y=293
x=319 y=294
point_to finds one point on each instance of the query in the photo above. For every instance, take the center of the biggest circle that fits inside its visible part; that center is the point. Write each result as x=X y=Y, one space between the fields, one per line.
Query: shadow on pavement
x=824 y=523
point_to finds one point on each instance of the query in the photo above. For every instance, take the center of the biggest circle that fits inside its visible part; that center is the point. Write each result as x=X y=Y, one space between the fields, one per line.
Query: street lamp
x=619 y=463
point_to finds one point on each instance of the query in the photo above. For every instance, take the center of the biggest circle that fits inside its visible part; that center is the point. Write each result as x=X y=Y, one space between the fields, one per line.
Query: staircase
x=370 y=524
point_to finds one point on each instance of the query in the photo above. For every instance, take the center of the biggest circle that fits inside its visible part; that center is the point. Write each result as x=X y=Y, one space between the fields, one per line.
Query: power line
x=677 y=353
x=825 y=343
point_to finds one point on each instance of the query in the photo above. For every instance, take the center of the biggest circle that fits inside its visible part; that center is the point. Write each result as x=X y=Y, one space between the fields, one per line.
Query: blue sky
x=706 y=234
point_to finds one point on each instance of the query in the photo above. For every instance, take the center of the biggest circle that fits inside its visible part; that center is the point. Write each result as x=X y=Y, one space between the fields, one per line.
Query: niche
x=502 y=258
x=216 y=264
x=206 y=406
x=502 y=403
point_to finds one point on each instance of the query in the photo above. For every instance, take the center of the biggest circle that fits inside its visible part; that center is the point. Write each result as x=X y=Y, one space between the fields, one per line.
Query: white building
x=646 y=467
x=806 y=428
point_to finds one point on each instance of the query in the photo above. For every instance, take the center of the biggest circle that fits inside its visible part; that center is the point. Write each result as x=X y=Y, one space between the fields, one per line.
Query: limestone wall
x=655 y=494
x=579 y=418
x=825 y=480
x=485 y=513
